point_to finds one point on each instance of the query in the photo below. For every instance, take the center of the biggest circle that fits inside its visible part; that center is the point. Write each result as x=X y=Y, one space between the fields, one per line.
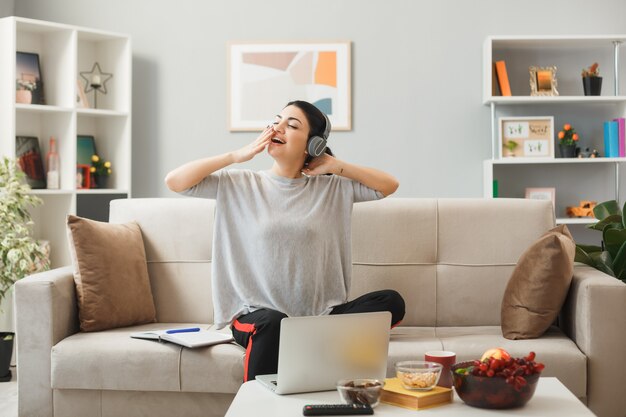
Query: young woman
x=282 y=240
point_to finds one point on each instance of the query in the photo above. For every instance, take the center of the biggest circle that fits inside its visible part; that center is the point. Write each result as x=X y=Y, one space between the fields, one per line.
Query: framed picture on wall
x=542 y=194
x=28 y=83
x=526 y=137
x=263 y=77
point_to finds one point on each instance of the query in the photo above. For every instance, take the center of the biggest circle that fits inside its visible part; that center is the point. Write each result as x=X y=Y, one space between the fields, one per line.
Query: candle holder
x=95 y=80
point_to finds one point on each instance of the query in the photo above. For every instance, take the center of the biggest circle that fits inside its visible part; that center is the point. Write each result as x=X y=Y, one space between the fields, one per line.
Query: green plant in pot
x=20 y=254
x=592 y=82
x=610 y=257
x=510 y=146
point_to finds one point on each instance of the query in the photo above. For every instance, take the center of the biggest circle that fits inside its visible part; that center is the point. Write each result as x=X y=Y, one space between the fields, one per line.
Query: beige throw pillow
x=538 y=286
x=110 y=273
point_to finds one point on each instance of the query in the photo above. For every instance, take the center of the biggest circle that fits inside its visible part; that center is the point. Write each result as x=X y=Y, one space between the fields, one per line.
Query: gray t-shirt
x=280 y=243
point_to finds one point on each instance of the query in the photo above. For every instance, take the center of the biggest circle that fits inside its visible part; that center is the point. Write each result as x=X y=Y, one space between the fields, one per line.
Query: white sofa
x=450 y=259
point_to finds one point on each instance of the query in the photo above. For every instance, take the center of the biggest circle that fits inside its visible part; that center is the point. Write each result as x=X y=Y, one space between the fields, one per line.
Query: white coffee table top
x=551 y=398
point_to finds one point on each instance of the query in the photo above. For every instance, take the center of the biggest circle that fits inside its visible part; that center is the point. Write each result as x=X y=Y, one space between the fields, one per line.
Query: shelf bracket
x=617 y=183
x=493 y=131
x=616 y=45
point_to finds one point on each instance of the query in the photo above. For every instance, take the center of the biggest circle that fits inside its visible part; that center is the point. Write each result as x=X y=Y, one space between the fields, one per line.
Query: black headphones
x=316 y=145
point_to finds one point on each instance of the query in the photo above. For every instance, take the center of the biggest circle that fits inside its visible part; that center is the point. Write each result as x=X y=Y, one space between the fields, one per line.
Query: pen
x=187 y=330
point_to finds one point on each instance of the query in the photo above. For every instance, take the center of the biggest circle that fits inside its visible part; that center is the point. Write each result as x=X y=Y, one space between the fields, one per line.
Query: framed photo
x=30 y=161
x=542 y=194
x=526 y=137
x=28 y=83
x=83 y=176
x=263 y=77
x=85 y=149
x=81 y=97
x=543 y=81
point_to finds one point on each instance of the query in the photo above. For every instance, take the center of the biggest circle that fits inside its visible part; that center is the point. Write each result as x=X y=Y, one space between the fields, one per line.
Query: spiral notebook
x=186 y=337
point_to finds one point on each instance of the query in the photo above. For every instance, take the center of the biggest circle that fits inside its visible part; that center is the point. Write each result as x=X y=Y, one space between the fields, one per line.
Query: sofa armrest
x=594 y=317
x=46 y=312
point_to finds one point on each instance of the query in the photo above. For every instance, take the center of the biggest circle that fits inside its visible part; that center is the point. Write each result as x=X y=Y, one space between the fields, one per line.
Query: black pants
x=259 y=331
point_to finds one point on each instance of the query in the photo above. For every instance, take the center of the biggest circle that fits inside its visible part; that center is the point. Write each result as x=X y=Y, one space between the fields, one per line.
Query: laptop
x=317 y=351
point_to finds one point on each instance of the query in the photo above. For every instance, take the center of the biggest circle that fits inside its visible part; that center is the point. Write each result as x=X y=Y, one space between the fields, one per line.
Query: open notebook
x=188 y=337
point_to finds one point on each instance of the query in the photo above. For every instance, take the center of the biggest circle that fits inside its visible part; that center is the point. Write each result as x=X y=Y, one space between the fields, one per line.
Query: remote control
x=336 y=409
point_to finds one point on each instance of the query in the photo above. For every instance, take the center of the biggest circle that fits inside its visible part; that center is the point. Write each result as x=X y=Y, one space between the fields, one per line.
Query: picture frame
x=542 y=194
x=81 y=97
x=543 y=81
x=29 y=81
x=532 y=137
x=83 y=176
x=30 y=161
x=85 y=149
x=264 y=77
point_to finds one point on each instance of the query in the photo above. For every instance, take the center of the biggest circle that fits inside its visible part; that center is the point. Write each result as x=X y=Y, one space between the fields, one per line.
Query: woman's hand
x=252 y=149
x=323 y=164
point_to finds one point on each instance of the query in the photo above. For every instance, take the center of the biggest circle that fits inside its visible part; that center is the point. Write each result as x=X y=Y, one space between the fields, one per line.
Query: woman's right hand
x=252 y=149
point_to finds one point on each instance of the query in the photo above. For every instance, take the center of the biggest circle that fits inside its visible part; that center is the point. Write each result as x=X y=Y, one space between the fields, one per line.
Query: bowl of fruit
x=497 y=380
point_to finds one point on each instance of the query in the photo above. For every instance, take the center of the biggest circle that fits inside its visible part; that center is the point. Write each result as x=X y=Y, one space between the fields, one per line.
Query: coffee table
x=551 y=398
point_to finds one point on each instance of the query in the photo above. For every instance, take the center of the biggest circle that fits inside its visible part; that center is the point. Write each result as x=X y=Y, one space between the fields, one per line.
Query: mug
x=446 y=359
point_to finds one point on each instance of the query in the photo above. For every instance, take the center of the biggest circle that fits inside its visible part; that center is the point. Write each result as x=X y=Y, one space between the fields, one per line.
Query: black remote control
x=336 y=409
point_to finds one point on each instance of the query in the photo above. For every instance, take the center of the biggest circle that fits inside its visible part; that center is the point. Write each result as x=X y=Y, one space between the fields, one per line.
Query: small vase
x=592 y=86
x=568 y=151
x=23 y=96
x=101 y=181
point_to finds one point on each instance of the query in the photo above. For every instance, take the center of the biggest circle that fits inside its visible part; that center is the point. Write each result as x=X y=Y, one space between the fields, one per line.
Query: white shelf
x=573 y=179
x=512 y=100
x=533 y=161
x=576 y=220
x=64 y=52
x=102 y=191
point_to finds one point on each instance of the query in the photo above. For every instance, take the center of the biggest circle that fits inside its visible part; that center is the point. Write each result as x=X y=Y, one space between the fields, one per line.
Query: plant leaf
x=606 y=209
x=619 y=262
x=613 y=239
x=583 y=256
x=600 y=225
x=603 y=262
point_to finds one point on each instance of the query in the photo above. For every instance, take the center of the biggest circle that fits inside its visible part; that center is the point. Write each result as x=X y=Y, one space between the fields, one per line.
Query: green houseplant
x=610 y=257
x=20 y=253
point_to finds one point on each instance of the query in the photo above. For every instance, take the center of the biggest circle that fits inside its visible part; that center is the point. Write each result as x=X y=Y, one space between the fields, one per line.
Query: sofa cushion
x=110 y=273
x=561 y=356
x=538 y=286
x=112 y=360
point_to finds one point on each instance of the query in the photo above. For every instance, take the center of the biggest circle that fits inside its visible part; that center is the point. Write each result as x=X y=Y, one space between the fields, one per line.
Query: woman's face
x=291 y=133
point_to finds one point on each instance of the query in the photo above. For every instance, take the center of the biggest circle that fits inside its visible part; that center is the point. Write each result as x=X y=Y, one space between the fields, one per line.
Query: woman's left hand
x=323 y=164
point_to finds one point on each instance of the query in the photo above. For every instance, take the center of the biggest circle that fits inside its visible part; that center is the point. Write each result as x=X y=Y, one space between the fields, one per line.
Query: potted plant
x=592 y=82
x=568 y=139
x=610 y=257
x=100 y=170
x=20 y=254
x=510 y=146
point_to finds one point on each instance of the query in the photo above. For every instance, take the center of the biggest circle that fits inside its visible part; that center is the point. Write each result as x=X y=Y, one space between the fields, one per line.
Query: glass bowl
x=494 y=392
x=418 y=375
x=360 y=391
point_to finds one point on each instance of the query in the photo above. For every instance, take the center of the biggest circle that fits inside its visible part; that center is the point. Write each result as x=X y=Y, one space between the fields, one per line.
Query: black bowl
x=494 y=392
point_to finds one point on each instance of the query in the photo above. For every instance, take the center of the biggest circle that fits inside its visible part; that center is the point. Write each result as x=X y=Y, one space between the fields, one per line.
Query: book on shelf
x=394 y=393
x=190 y=337
x=495 y=88
x=621 y=131
x=611 y=139
x=503 y=78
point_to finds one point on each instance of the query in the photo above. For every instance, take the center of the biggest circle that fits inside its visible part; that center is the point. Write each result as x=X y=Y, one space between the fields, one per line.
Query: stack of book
x=614 y=141
x=395 y=394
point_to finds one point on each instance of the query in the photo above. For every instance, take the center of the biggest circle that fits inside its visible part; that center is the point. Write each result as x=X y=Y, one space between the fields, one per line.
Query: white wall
x=416 y=83
x=7 y=8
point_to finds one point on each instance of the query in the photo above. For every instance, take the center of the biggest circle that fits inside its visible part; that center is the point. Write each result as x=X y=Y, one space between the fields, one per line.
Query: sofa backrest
x=449 y=258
